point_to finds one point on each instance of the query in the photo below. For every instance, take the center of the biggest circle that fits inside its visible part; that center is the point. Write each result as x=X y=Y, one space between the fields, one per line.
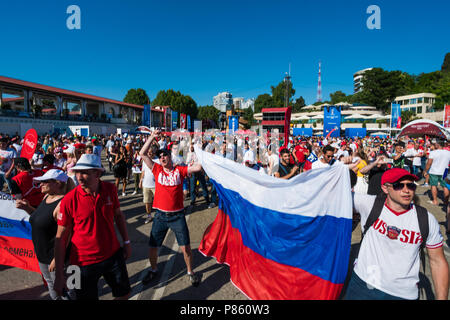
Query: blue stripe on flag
x=319 y=245
x=15 y=228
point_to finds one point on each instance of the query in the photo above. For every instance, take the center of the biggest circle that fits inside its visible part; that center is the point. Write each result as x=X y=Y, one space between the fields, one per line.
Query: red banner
x=399 y=122
x=29 y=144
x=287 y=123
x=182 y=121
x=447 y=116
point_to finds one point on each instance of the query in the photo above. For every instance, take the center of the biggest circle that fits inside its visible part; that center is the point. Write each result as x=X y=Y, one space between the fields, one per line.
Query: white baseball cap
x=53 y=174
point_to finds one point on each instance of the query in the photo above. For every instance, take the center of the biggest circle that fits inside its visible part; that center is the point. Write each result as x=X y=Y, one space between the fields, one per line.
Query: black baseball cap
x=162 y=152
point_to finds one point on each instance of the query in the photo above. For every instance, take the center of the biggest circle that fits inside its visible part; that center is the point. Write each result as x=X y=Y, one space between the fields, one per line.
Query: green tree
x=446 y=64
x=177 y=101
x=263 y=101
x=338 y=96
x=137 y=96
x=381 y=87
x=208 y=113
x=298 y=105
x=248 y=115
x=279 y=93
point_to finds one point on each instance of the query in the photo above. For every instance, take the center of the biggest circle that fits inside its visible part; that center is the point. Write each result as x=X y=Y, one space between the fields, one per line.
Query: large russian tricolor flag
x=283 y=239
x=16 y=246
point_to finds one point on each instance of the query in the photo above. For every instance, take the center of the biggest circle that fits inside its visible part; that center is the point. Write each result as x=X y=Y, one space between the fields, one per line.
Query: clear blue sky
x=202 y=47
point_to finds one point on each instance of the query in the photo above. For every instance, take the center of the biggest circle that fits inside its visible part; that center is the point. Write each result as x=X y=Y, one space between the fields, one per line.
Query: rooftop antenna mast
x=319 y=85
x=287 y=80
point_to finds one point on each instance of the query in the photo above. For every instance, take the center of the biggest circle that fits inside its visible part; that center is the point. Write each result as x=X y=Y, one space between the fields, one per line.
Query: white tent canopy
x=356 y=116
x=303 y=117
x=375 y=116
x=319 y=116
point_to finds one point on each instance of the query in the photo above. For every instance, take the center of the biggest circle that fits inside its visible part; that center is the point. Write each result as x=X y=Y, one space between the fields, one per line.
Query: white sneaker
x=134 y=193
x=123 y=194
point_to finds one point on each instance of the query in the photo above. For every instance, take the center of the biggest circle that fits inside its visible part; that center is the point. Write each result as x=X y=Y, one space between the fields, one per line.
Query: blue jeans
x=358 y=290
x=164 y=221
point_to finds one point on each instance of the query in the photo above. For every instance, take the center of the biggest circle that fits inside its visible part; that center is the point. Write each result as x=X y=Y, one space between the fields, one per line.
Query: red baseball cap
x=395 y=174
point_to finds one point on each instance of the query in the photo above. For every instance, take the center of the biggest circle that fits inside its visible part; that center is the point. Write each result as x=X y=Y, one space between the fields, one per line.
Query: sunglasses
x=399 y=186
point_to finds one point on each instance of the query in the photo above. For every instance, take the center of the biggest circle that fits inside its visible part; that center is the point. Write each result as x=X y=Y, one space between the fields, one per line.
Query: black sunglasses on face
x=399 y=186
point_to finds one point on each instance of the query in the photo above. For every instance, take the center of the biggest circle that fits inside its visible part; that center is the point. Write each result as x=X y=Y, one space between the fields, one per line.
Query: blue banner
x=355 y=132
x=332 y=121
x=189 y=125
x=396 y=113
x=147 y=116
x=174 y=120
x=233 y=124
x=305 y=132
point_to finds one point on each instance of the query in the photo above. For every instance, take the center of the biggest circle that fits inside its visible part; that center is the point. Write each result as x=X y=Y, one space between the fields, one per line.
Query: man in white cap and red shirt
x=395 y=230
x=88 y=213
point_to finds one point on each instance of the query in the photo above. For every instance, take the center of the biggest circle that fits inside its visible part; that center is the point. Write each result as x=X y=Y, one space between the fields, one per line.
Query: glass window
x=419 y=109
x=419 y=100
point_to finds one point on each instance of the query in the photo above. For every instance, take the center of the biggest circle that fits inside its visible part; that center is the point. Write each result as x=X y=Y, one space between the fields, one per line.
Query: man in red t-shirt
x=22 y=183
x=168 y=202
x=88 y=213
x=301 y=153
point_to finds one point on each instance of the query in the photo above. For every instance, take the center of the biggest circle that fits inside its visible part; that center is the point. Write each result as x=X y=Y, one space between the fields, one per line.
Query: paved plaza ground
x=172 y=282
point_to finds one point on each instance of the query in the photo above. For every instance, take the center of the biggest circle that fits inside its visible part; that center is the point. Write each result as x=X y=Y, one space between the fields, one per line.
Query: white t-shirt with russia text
x=389 y=255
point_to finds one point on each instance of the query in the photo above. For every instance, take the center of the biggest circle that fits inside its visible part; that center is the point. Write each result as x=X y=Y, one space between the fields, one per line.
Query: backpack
x=422 y=217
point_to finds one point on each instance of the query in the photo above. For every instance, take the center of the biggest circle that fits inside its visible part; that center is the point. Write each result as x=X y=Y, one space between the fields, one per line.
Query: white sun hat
x=87 y=162
x=53 y=174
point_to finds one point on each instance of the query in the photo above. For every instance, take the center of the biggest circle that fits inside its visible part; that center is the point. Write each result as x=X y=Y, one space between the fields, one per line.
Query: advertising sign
x=332 y=121
x=147 y=116
x=447 y=116
x=29 y=144
x=174 y=120
x=189 y=124
x=233 y=124
x=182 y=121
x=396 y=116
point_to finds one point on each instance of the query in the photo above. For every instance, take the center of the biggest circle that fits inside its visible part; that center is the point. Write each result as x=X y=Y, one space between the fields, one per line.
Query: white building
x=422 y=104
x=249 y=103
x=357 y=80
x=238 y=103
x=223 y=101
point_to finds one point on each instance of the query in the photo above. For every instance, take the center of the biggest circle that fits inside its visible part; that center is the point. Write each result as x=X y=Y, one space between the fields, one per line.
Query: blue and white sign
x=396 y=113
x=174 y=120
x=332 y=121
x=189 y=124
x=233 y=124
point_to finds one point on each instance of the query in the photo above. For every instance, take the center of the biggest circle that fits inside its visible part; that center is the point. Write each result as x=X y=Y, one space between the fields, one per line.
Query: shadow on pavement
x=27 y=294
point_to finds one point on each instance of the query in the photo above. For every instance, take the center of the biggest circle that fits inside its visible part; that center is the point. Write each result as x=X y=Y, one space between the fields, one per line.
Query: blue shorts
x=186 y=185
x=162 y=222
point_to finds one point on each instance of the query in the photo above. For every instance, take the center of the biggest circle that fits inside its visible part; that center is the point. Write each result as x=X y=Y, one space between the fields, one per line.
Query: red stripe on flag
x=256 y=276
x=19 y=253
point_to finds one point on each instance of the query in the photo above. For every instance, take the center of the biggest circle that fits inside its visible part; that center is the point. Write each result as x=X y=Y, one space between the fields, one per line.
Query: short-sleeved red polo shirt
x=94 y=237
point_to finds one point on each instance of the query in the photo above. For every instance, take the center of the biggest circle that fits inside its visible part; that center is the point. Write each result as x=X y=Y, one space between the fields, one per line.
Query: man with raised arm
x=169 y=206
